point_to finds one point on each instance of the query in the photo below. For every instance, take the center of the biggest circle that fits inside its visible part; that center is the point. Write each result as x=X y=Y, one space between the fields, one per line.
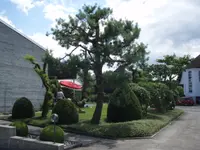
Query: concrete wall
x=5 y=133
x=17 y=77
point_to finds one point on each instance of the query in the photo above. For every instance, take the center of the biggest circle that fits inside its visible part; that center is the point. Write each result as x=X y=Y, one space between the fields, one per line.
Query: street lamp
x=54 y=119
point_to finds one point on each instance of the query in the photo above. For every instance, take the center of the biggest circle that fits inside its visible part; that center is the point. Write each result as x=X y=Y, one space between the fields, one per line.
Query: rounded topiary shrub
x=66 y=111
x=21 y=128
x=47 y=134
x=143 y=96
x=22 y=108
x=123 y=105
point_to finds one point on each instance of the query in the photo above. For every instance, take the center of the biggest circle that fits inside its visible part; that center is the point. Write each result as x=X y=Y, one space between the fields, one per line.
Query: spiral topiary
x=21 y=128
x=47 y=134
x=66 y=111
x=123 y=105
x=22 y=108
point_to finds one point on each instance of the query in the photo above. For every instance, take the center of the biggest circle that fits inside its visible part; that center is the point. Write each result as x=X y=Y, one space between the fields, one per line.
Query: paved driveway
x=183 y=134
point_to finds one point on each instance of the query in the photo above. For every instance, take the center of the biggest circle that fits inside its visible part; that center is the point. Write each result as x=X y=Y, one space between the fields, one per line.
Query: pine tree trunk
x=100 y=96
x=85 y=83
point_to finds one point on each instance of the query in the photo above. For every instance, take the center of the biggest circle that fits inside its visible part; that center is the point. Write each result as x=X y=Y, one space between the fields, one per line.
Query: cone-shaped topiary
x=22 y=108
x=124 y=105
x=67 y=112
x=47 y=134
x=21 y=128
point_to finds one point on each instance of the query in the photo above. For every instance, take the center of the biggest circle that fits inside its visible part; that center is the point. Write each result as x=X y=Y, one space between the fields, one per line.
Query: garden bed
x=138 y=128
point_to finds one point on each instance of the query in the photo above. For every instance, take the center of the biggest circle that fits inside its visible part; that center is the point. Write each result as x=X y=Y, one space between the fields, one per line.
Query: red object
x=187 y=101
x=70 y=84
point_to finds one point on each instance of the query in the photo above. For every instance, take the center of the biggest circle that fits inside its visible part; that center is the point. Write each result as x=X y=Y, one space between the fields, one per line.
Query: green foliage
x=66 y=111
x=180 y=91
x=46 y=82
x=47 y=134
x=137 y=128
x=21 y=128
x=123 y=105
x=22 y=108
x=81 y=29
x=143 y=96
x=160 y=95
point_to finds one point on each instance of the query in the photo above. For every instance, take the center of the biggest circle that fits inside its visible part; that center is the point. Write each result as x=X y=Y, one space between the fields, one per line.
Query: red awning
x=70 y=84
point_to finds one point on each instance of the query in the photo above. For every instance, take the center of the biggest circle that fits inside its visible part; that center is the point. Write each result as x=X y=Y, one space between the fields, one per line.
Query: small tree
x=46 y=82
x=104 y=39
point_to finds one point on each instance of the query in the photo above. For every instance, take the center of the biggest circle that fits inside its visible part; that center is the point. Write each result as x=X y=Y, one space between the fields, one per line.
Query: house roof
x=195 y=63
x=18 y=32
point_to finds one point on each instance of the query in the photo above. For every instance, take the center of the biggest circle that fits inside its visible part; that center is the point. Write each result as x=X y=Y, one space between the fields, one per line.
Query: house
x=191 y=79
x=17 y=77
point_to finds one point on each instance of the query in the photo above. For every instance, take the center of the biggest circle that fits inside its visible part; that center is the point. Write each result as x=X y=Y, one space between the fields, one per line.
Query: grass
x=138 y=128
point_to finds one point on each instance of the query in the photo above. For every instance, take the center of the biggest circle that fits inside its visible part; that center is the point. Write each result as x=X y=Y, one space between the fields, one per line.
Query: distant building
x=191 y=79
x=17 y=77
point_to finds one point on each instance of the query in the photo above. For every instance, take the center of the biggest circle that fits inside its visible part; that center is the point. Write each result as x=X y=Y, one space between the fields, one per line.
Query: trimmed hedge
x=21 y=128
x=47 y=134
x=66 y=111
x=123 y=105
x=22 y=108
x=136 y=128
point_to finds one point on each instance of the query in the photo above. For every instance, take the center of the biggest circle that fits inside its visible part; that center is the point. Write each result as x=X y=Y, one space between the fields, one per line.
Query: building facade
x=17 y=77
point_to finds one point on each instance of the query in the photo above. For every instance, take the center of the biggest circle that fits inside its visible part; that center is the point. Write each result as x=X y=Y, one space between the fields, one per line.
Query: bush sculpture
x=21 y=128
x=66 y=111
x=124 y=105
x=47 y=134
x=22 y=108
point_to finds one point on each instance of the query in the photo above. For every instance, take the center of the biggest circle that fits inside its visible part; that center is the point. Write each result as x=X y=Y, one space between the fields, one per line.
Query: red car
x=186 y=101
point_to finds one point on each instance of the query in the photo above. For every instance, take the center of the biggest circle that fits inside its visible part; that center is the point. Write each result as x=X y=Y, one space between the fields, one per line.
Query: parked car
x=185 y=101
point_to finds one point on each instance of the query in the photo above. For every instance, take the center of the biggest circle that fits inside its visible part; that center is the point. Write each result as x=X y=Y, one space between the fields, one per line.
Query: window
x=190 y=81
x=199 y=76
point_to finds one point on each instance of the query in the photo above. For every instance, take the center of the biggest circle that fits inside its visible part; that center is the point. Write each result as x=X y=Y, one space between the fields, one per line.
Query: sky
x=167 y=26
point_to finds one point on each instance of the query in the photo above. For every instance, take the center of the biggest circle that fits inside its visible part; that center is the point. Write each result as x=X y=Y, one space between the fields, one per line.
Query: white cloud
x=26 y=5
x=49 y=43
x=55 y=11
x=167 y=26
x=4 y=18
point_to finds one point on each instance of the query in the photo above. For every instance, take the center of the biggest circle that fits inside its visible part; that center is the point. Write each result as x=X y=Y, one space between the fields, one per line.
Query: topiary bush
x=22 y=108
x=66 y=111
x=47 y=134
x=143 y=96
x=123 y=105
x=21 y=128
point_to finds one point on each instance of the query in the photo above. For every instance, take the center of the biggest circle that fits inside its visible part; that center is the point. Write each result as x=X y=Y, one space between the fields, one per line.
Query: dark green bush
x=66 y=111
x=123 y=105
x=143 y=96
x=92 y=98
x=47 y=134
x=22 y=108
x=21 y=128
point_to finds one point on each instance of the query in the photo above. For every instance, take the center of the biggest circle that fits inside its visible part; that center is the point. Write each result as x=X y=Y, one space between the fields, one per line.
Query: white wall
x=195 y=82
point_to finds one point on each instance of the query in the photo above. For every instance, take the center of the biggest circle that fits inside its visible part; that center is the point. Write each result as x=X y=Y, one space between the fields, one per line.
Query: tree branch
x=68 y=54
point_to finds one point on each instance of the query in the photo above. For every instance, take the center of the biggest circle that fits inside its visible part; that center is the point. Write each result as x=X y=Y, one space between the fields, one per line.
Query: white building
x=191 y=79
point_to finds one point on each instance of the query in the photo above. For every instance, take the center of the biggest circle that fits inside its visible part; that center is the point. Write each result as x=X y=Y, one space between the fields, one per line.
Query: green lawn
x=41 y=122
